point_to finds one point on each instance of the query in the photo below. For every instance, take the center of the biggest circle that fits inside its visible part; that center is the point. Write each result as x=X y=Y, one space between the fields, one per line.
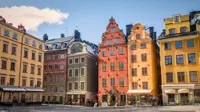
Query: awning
x=183 y=91
x=140 y=91
x=170 y=91
x=35 y=89
x=77 y=92
x=13 y=89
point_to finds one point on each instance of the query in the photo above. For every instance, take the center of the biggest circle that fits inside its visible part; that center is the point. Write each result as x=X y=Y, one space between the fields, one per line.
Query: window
x=40 y=57
x=107 y=42
x=103 y=53
x=70 y=61
x=76 y=72
x=178 y=44
x=82 y=85
x=112 y=52
x=121 y=81
x=167 y=46
x=55 y=66
x=39 y=70
x=70 y=86
x=33 y=55
x=82 y=71
x=137 y=36
x=61 y=89
x=3 y=80
x=76 y=85
x=5 y=47
x=182 y=29
x=14 y=49
x=171 y=31
x=134 y=71
x=25 y=66
x=120 y=51
x=181 y=77
x=121 y=66
x=25 y=53
x=169 y=77
x=6 y=33
x=144 y=57
x=32 y=69
x=133 y=47
x=12 y=66
x=62 y=67
x=33 y=43
x=38 y=83
x=145 y=85
x=31 y=83
x=40 y=46
x=26 y=40
x=23 y=82
x=104 y=84
x=168 y=60
x=112 y=81
x=50 y=67
x=116 y=40
x=143 y=46
x=134 y=85
x=15 y=36
x=133 y=58
x=104 y=67
x=82 y=60
x=190 y=43
x=70 y=72
x=179 y=59
x=61 y=77
x=112 y=66
x=12 y=81
x=176 y=18
x=111 y=29
x=55 y=89
x=191 y=58
x=144 y=71
x=193 y=76
x=4 y=64
x=76 y=60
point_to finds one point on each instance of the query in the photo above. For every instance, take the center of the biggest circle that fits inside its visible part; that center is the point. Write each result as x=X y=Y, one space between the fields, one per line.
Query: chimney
x=152 y=33
x=77 y=35
x=45 y=37
x=21 y=28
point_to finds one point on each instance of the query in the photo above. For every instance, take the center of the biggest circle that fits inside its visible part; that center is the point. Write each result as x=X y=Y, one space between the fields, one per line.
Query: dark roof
x=164 y=36
x=58 y=40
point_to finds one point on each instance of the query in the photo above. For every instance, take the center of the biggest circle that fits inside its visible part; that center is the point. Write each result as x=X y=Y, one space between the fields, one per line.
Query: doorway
x=112 y=100
x=122 y=100
x=22 y=98
x=184 y=98
x=61 y=100
x=171 y=98
x=82 y=99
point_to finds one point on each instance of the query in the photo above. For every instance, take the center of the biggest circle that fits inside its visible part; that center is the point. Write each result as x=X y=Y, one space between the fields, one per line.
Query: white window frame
x=81 y=58
x=84 y=71
x=84 y=85
x=74 y=85
x=78 y=72
x=69 y=61
x=78 y=60
x=72 y=72
x=68 y=86
x=175 y=16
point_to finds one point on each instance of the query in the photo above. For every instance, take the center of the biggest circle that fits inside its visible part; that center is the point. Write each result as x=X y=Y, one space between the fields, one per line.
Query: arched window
x=77 y=47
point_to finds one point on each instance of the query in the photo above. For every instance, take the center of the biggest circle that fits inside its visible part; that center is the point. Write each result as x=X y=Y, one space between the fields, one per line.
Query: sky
x=90 y=17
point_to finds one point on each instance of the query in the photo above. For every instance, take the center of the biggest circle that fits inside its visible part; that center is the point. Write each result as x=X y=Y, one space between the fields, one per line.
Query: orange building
x=142 y=63
x=112 y=81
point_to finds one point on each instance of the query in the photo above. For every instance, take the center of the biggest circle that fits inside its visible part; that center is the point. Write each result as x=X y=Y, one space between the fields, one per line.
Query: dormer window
x=182 y=29
x=112 y=30
x=172 y=31
x=176 y=18
x=54 y=46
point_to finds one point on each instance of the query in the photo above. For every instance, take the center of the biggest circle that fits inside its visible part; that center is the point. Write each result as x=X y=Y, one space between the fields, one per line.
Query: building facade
x=82 y=82
x=55 y=69
x=179 y=51
x=21 y=65
x=142 y=64
x=113 y=79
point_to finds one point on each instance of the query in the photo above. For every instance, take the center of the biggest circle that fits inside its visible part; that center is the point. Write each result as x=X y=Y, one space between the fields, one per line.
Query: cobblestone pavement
x=64 y=108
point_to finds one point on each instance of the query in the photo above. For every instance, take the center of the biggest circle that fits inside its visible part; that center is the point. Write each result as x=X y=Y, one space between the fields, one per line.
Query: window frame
x=188 y=43
x=178 y=58
x=178 y=42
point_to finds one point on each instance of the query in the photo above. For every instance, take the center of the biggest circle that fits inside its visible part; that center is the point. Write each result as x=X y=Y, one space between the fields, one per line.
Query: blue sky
x=92 y=16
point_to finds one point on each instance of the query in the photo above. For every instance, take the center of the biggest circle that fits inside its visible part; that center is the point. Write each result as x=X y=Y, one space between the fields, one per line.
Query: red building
x=113 y=78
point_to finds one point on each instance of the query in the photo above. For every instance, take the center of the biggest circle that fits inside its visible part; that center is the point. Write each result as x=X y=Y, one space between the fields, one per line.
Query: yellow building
x=21 y=65
x=180 y=59
x=142 y=64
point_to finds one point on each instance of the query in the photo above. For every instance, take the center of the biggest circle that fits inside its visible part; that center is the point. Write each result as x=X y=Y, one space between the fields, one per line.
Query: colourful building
x=21 y=65
x=113 y=85
x=142 y=64
x=180 y=62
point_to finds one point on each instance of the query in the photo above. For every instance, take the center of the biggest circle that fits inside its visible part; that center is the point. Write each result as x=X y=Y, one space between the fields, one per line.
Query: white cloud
x=31 y=17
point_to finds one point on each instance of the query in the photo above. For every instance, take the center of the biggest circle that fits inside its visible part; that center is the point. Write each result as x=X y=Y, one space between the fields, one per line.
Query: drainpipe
x=20 y=62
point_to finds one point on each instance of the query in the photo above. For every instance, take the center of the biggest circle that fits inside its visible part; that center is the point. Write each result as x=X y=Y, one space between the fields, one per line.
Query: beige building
x=21 y=65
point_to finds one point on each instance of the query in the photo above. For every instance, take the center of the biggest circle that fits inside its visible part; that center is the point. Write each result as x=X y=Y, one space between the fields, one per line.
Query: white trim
x=84 y=71
x=74 y=85
x=140 y=91
x=78 y=60
x=72 y=61
x=84 y=58
x=77 y=92
x=80 y=85
x=75 y=72
x=68 y=86
x=178 y=85
x=72 y=72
